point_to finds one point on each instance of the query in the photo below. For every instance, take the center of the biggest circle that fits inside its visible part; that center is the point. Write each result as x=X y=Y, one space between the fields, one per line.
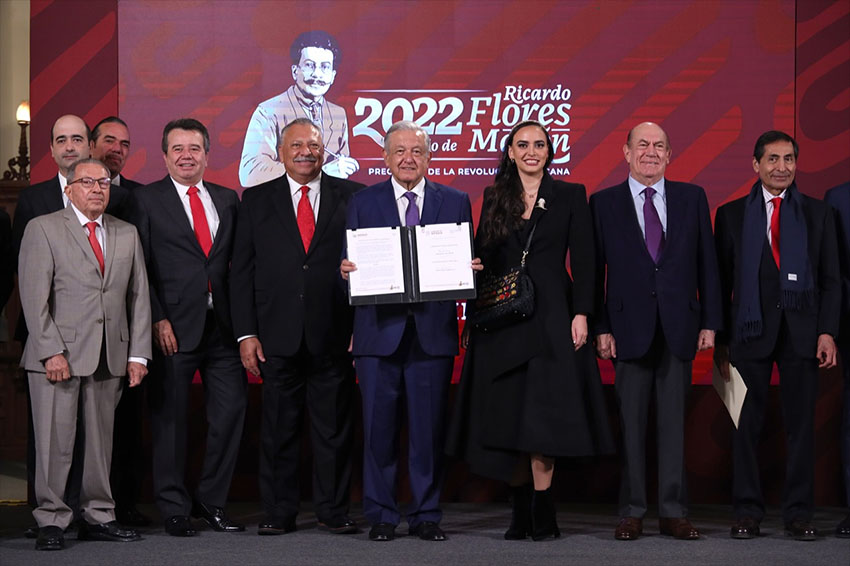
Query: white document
x=380 y=267
x=732 y=393
x=444 y=255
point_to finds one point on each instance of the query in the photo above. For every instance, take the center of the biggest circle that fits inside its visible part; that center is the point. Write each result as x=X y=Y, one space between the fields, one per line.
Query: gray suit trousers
x=54 y=407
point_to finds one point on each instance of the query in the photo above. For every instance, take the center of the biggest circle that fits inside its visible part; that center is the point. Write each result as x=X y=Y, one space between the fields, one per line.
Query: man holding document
x=776 y=251
x=405 y=349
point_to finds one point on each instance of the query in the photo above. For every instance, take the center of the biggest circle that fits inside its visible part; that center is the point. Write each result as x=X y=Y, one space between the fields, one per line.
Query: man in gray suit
x=84 y=293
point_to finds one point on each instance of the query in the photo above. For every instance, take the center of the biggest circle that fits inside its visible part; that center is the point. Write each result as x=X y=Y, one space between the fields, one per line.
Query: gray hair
x=85 y=161
x=301 y=122
x=407 y=125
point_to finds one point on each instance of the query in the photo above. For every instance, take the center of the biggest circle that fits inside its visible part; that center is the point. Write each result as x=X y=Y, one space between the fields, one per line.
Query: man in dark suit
x=289 y=239
x=110 y=142
x=839 y=199
x=659 y=301
x=69 y=142
x=187 y=226
x=405 y=351
x=781 y=296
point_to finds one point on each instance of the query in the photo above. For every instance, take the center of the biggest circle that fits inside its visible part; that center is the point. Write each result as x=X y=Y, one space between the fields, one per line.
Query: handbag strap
x=528 y=244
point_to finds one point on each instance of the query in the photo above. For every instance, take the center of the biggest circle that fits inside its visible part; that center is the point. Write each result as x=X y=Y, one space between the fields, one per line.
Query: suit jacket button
x=99 y=321
x=301 y=296
x=657 y=268
x=779 y=305
x=305 y=267
x=653 y=293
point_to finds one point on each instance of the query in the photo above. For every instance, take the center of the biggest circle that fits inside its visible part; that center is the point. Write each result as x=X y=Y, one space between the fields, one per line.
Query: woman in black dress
x=530 y=392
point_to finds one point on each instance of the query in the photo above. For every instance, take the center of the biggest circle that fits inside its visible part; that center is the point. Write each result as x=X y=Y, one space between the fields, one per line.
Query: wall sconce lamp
x=19 y=166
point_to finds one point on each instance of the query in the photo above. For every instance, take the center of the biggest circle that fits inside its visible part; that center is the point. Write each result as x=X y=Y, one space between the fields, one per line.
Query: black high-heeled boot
x=544 y=523
x=520 y=514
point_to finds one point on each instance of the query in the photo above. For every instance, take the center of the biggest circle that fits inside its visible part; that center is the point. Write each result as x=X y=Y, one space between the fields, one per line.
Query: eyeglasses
x=88 y=182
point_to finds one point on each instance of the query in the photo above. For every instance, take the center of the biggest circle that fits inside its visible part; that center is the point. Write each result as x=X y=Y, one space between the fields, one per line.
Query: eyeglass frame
x=104 y=182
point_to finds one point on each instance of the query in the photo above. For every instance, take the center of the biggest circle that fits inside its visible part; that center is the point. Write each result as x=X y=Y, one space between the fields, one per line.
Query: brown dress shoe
x=745 y=528
x=630 y=528
x=678 y=527
x=801 y=530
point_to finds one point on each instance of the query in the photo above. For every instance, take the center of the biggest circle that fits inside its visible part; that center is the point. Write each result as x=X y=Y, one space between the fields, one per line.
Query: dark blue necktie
x=654 y=232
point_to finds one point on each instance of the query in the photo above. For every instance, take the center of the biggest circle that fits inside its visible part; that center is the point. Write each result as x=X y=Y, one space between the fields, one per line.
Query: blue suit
x=655 y=312
x=404 y=351
x=839 y=199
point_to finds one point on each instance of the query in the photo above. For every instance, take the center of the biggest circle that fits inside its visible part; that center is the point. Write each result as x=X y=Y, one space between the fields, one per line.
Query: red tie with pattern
x=305 y=219
x=774 y=229
x=199 y=219
x=95 y=245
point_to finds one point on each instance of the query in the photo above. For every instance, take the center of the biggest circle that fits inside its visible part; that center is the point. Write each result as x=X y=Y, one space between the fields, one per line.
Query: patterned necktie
x=305 y=219
x=411 y=215
x=774 y=229
x=199 y=219
x=654 y=232
x=95 y=245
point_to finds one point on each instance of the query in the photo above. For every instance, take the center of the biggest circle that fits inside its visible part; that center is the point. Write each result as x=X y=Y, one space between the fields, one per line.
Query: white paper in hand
x=732 y=393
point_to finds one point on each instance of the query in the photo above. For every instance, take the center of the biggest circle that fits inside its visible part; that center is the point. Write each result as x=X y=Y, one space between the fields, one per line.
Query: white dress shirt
x=63 y=182
x=209 y=210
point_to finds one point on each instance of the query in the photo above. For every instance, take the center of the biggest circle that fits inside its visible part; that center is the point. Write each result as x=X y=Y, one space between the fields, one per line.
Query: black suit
x=789 y=339
x=294 y=302
x=180 y=276
x=128 y=457
x=37 y=200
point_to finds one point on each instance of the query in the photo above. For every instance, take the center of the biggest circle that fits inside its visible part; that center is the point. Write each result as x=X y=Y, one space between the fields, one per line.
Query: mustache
x=309 y=158
x=319 y=82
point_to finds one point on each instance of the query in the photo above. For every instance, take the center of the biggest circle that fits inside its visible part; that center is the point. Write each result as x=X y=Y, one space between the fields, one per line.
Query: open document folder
x=731 y=392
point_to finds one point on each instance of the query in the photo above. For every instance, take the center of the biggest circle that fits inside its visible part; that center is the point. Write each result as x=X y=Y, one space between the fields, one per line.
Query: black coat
x=524 y=388
x=279 y=292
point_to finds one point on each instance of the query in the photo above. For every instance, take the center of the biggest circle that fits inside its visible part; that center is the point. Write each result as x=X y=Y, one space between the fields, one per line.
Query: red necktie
x=305 y=219
x=95 y=245
x=199 y=219
x=774 y=229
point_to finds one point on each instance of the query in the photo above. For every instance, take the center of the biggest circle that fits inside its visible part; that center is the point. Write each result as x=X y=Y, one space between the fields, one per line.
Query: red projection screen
x=713 y=74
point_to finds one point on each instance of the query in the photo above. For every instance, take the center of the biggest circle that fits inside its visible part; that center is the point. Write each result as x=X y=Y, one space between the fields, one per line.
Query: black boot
x=543 y=521
x=520 y=514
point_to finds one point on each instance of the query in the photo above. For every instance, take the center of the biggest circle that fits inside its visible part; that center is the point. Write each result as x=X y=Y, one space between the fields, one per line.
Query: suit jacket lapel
x=328 y=202
x=675 y=213
x=172 y=204
x=53 y=199
x=282 y=201
x=78 y=234
x=111 y=244
x=386 y=201
x=625 y=210
x=433 y=202
x=223 y=219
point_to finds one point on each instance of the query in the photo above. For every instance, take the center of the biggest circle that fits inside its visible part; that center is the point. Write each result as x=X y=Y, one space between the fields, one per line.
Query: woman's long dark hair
x=503 y=212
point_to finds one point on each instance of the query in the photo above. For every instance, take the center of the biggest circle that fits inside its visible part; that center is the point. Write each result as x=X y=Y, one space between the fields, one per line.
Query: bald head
x=647 y=151
x=69 y=141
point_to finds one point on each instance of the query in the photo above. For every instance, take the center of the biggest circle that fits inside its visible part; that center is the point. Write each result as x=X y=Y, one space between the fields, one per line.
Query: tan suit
x=97 y=321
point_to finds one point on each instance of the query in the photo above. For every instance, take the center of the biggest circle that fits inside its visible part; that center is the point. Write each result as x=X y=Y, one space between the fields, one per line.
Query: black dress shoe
x=843 y=528
x=216 y=518
x=109 y=532
x=339 y=525
x=275 y=526
x=745 y=528
x=801 y=530
x=179 y=526
x=382 y=532
x=49 y=538
x=428 y=530
x=31 y=532
x=131 y=517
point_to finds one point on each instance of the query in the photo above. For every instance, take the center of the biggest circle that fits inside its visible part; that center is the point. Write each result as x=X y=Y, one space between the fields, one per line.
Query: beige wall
x=14 y=73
